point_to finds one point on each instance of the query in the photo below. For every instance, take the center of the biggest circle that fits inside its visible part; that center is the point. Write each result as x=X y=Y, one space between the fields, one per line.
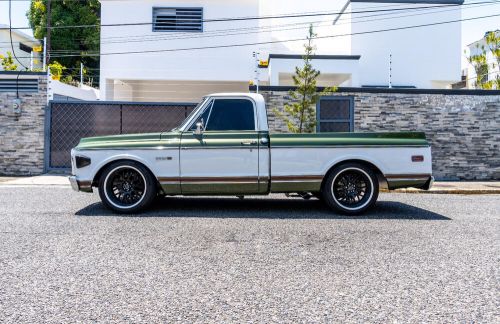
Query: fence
x=68 y=121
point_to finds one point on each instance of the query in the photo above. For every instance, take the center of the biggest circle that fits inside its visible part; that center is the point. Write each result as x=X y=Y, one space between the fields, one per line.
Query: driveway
x=414 y=258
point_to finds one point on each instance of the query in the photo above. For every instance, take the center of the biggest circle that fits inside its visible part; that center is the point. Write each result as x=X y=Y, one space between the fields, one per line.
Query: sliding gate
x=68 y=121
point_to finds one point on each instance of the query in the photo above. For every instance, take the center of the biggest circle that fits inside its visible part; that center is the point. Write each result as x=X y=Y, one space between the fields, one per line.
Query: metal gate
x=68 y=121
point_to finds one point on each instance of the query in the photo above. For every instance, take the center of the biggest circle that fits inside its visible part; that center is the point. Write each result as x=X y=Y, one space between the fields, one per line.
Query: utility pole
x=47 y=52
x=81 y=74
x=390 y=71
x=257 y=72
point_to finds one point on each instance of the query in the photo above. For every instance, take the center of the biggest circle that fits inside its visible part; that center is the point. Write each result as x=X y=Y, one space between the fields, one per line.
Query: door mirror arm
x=199 y=128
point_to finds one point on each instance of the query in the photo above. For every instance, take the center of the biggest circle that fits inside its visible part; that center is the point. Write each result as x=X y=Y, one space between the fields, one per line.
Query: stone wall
x=463 y=129
x=22 y=136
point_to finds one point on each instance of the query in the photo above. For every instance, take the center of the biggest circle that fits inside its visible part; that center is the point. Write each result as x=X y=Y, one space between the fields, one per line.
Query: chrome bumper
x=77 y=185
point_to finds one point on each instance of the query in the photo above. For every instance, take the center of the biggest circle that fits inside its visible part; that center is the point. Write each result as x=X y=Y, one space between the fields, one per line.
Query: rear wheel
x=351 y=188
x=127 y=187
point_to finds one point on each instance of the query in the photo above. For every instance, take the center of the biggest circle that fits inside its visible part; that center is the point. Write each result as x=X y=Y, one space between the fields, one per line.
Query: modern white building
x=24 y=48
x=163 y=50
x=477 y=48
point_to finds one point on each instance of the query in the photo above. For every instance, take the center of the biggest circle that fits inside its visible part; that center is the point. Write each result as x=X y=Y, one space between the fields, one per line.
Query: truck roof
x=255 y=96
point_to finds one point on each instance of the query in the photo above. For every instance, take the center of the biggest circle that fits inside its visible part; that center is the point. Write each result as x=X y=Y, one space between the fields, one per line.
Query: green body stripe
x=230 y=139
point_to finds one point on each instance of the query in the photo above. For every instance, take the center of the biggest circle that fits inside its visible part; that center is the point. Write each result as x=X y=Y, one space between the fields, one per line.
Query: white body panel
x=238 y=162
x=148 y=157
x=317 y=161
x=244 y=162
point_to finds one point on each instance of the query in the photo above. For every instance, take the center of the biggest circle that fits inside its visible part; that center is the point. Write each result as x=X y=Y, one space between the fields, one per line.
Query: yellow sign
x=37 y=48
x=263 y=63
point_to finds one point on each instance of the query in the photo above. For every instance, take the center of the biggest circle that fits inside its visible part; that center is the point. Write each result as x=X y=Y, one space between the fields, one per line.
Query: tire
x=318 y=195
x=127 y=187
x=351 y=189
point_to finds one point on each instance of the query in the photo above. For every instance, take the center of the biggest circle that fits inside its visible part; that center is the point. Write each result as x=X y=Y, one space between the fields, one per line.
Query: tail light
x=417 y=158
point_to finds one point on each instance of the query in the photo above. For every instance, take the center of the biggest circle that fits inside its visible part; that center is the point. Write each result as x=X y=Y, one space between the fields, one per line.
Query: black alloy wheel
x=127 y=187
x=351 y=188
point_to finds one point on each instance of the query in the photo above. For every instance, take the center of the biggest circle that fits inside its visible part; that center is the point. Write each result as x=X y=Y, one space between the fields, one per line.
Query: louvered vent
x=178 y=19
x=24 y=85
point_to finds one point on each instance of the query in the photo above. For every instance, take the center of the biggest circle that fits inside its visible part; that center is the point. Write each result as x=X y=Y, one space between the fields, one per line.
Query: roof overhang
x=314 y=57
x=457 y=2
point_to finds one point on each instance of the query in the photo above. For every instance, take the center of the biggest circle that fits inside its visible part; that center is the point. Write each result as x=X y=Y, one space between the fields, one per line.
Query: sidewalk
x=42 y=180
x=439 y=187
x=458 y=187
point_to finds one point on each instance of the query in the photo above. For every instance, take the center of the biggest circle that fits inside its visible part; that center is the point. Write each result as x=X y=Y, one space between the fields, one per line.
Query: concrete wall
x=203 y=66
x=424 y=57
x=57 y=89
x=464 y=130
x=22 y=136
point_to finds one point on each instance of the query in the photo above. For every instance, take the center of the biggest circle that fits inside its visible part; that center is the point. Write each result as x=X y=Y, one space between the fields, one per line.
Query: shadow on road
x=264 y=209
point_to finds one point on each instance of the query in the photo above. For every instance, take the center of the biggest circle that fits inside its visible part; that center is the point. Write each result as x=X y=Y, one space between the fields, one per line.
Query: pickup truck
x=224 y=147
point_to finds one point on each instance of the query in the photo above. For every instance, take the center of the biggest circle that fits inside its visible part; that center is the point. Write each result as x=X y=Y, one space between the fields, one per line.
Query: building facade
x=26 y=48
x=163 y=50
x=492 y=69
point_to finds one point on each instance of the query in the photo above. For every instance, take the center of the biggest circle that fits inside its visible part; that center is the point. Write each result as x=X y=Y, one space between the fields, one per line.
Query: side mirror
x=199 y=128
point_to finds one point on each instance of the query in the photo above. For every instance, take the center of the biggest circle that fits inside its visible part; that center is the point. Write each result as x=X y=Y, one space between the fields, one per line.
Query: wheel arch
x=98 y=174
x=368 y=164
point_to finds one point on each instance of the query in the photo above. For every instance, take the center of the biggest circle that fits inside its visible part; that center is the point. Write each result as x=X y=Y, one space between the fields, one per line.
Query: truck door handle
x=249 y=143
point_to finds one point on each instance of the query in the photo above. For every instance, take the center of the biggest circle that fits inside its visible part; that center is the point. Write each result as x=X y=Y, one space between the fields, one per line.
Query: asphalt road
x=415 y=258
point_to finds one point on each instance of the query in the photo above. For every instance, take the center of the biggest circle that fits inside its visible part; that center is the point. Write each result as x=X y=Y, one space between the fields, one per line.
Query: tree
x=300 y=115
x=8 y=62
x=76 y=41
x=480 y=63
x=493 y=42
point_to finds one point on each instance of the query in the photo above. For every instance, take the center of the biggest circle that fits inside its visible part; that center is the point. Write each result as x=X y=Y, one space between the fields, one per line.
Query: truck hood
x=122 y=141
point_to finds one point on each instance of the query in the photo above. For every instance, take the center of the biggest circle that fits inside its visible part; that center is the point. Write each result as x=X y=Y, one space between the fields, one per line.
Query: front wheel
x=127 y=187
x=351 y=188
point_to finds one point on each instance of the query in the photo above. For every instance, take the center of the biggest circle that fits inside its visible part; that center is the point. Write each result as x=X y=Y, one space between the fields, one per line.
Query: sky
x=471 y=30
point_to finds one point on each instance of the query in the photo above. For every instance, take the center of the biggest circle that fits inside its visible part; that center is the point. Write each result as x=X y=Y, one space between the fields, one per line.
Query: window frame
x=25 y=48
x=351 y=113
x=210 y=104
x=177 y=31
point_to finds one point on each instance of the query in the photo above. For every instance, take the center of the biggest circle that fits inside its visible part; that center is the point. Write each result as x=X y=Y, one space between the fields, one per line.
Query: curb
x=447 y=191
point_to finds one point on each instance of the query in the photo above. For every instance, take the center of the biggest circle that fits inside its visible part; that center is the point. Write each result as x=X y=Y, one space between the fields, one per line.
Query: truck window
x=203 y=117
x=231 y=114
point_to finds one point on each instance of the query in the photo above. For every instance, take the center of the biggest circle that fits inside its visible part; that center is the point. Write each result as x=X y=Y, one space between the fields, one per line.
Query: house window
x=335 y=114
x=25 y=48
x=178 y=19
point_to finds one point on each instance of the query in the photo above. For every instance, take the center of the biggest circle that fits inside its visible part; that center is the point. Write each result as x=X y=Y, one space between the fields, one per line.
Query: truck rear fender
x=373 y=165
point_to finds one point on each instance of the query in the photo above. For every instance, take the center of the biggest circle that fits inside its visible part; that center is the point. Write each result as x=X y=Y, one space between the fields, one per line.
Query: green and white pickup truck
x=224 y=148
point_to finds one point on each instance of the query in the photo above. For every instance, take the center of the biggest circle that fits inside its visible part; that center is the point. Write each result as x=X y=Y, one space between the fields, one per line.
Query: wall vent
x=178 y=19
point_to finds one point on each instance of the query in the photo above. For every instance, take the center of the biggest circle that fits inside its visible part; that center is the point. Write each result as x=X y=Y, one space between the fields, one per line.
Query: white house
x=477 y=48
x=25 y=47
x=164 y=50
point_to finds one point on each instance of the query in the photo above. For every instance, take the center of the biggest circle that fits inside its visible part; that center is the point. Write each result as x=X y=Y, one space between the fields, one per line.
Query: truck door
x=224 y=159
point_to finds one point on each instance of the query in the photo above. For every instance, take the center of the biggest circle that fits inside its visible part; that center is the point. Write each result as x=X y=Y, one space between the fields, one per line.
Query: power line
x=284 y=16
x=145 y=39
x=278 y=41
x=267 y=30
x=282 y=41
x=10 y=36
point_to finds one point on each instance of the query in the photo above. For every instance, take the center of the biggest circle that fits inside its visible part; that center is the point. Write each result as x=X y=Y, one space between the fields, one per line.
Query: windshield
x=188 y=118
